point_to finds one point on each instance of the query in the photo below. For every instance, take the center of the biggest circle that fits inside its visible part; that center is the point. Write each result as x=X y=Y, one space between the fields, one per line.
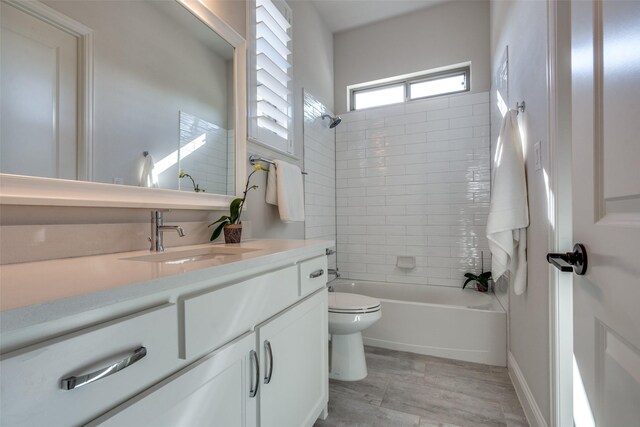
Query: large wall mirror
x=131 y=94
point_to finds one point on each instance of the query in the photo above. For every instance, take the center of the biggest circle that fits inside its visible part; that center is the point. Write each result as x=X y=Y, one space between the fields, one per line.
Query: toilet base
x=347 y=357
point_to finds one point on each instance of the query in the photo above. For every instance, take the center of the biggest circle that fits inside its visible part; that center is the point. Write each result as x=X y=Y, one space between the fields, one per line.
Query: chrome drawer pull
x=70 y=383
x=254 y=357
x=316 y=273
x=267 y=376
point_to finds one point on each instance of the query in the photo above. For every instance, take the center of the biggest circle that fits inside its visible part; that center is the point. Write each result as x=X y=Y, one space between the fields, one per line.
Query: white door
x=606 y=211
x=294 y=367
x=215 y=391
x=38 y=74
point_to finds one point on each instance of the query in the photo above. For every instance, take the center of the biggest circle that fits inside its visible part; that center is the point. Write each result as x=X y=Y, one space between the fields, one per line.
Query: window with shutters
x=270 y=85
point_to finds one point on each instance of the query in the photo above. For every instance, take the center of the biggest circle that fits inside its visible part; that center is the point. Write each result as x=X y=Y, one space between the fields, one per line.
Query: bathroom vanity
x=229 y=335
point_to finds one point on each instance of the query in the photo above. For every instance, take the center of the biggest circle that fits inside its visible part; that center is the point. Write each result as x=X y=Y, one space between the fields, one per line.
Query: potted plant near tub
x=482 y=280
x=231 y=224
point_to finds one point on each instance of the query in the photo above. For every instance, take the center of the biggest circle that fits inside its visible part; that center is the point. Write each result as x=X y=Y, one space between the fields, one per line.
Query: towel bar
x=253 y=159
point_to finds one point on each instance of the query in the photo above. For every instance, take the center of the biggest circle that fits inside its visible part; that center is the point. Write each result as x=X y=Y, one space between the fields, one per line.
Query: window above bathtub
x=410 y=87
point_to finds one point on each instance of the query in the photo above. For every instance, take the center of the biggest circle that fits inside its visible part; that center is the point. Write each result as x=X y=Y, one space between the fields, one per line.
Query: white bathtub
x=435 y=320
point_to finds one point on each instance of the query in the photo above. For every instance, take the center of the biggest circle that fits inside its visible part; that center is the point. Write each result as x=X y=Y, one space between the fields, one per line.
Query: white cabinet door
x=213 y=391
x=293 y=358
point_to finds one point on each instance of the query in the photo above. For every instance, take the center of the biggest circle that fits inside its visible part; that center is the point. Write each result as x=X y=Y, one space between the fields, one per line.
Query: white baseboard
x=528 y=402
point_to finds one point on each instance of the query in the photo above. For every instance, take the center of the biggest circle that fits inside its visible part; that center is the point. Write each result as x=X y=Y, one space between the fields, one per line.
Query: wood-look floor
x=406 y=389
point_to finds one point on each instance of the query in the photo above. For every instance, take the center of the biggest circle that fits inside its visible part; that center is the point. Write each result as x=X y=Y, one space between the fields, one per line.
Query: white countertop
x=83 y=283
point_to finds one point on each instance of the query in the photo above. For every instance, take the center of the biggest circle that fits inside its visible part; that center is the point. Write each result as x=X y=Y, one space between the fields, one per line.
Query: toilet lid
x=341 y=302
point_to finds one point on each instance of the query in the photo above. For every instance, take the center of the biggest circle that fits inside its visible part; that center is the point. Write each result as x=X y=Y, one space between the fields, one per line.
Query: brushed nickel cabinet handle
x=254 y=389
x=267 y=349
x=316 y=273
x=74 y=382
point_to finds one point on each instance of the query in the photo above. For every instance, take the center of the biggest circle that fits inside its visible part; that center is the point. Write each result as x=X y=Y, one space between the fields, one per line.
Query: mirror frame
x=36 y=191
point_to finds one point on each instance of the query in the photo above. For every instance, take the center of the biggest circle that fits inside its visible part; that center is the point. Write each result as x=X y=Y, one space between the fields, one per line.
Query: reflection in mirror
x=206 y=150
x=162 y=83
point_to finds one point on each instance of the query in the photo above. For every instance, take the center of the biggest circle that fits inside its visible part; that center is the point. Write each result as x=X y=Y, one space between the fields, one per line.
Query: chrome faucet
x=157 y=231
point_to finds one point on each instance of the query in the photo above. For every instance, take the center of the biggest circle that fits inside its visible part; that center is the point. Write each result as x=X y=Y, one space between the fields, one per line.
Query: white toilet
x=349 y=314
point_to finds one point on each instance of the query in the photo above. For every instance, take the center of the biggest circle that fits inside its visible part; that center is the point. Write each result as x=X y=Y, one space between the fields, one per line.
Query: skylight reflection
x=502 y=106
x=173 y=158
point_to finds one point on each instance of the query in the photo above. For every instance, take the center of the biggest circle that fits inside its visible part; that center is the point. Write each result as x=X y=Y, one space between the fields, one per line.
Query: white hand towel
x=285 y=189
x=271 y=195
x=509 y=212
x=146 y=174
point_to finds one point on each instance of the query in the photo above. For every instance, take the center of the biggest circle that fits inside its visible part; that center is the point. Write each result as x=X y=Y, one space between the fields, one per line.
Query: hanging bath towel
x=146 y=174
x=285 y=189
x=509 y=212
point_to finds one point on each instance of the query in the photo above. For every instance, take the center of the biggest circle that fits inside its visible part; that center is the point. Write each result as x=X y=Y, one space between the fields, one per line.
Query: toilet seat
x=346 y=303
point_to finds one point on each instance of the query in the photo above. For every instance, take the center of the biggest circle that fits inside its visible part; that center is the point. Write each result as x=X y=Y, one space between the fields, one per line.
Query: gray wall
x=436 y=36
x=529 y=312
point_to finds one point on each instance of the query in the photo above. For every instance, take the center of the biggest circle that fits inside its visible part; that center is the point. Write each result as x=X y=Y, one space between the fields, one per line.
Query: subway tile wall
x=320 y=181
x=414 y=180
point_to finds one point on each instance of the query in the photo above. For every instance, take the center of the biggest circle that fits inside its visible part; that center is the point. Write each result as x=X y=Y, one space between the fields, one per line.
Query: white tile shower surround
x=414 y=179
x=320 y=181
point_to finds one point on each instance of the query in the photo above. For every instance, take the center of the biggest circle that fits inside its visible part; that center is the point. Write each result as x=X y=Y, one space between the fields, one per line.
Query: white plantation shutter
x=270 y=108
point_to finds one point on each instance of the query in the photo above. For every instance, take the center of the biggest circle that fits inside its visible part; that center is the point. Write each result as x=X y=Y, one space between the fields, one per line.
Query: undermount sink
x=191 y=255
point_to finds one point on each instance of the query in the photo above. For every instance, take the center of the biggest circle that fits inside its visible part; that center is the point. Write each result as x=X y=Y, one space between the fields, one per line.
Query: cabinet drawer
x=216 y=317
x=32 y=388
x=313 y=275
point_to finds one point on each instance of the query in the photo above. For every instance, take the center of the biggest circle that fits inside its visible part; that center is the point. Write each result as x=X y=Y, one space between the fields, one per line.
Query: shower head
x=333 y=121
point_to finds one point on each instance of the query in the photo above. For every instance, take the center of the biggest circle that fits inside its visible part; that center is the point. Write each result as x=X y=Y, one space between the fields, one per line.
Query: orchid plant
x=235 y=209
x=196 y=188
x=482 y=279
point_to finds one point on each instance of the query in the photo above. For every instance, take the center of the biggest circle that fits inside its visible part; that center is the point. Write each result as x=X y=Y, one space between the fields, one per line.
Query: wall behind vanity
x=35 y=233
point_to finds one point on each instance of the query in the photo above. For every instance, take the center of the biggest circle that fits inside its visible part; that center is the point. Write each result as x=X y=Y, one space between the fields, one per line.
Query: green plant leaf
x=234 y=210
x=467 y=281
x=217 y=231
x=486 y=274
x=222 y=218
x=470 y=276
